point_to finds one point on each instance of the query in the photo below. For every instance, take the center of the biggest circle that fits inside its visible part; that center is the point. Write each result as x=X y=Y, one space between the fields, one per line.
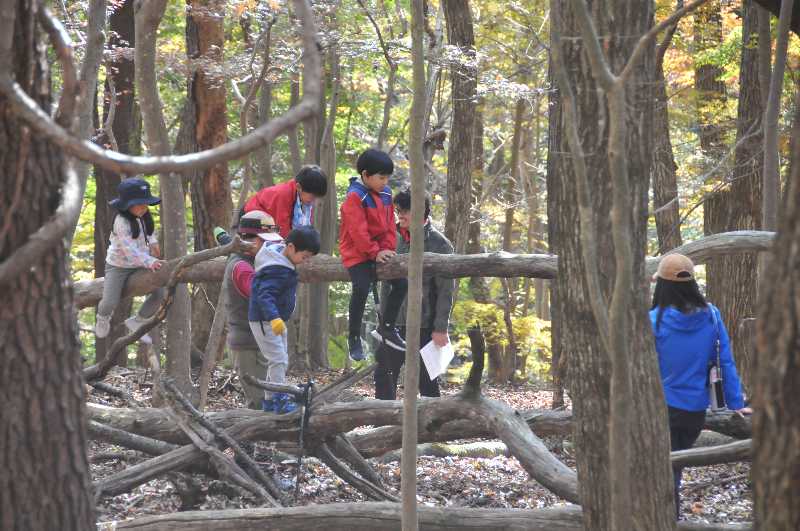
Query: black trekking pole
x=308 y=392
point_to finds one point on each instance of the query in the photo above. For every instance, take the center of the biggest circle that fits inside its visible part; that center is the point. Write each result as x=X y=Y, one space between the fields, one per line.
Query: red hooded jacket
x=278 y=201
x=367 y=224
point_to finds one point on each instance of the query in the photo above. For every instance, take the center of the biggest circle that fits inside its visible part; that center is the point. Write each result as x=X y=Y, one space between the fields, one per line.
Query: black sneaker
x=390 y=336
x=356 y=351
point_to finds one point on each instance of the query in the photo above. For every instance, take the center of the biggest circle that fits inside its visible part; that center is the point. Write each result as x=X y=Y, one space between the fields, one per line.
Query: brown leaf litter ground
x=719 y=493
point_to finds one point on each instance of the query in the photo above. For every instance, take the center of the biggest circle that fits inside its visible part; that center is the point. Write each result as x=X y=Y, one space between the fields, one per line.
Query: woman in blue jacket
x=686 y=330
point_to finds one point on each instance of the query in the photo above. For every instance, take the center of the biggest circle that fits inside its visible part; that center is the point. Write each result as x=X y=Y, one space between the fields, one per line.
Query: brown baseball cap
x=675 y=267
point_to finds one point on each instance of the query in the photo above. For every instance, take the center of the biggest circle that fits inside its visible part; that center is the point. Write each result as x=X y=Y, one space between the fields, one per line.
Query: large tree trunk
x=744 y=202
x=718 y=208
x=776 y=422
x=210 y=188
x=126 y=129
x=665 y=179
x=555 y=138
x=45 y=481
x=464 y=83
x=589 y=364
x=173 y=207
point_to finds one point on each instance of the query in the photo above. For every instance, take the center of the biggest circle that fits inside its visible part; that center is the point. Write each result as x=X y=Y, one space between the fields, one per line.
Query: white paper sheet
x=436 y=359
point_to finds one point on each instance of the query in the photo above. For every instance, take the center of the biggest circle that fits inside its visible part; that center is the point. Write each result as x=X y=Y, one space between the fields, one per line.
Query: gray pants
x=114 y=283
x=274 y=349
x=252 y=362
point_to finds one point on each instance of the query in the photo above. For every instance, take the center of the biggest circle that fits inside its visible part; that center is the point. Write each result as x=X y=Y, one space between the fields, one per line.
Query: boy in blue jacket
x=272 y=300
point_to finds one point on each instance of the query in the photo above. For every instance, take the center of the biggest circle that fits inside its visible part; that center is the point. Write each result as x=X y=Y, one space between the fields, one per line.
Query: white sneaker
x=133 y=324
x=102 y=326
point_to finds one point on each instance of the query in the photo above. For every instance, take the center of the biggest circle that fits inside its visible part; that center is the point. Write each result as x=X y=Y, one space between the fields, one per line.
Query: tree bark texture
x=464 y=85
x=555 y=137
x=776 y=422
x=664 y=171
x=210 y=188
x=127 y=130
x=45 y=482
x=587 y=360
x=718 y=210
x=733 y=289
x=774 y=7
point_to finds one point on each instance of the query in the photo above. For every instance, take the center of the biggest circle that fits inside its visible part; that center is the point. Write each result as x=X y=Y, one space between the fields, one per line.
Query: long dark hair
x=685 y=296
x=147 y=220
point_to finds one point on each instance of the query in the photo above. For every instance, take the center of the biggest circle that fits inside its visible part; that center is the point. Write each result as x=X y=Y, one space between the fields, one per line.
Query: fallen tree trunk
x=361 y=517
x=153 y=423
x=323 y=268
x=333 y=419
x=698 y=456
x=379 y=516
x=714 y=455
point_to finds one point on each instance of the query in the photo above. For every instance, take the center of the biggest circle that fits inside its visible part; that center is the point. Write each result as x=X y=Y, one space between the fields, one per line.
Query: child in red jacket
x=291 y=204
x=366 y=236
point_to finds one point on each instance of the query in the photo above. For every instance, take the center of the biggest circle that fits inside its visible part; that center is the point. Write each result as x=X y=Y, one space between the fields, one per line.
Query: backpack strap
x=717 y=341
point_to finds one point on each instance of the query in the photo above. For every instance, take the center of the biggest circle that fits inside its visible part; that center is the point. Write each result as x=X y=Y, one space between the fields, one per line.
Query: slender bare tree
x=148 y=17
x=408 y=483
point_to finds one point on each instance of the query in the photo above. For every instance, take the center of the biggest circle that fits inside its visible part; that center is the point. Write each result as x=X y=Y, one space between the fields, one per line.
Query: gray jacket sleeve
x=445 y=289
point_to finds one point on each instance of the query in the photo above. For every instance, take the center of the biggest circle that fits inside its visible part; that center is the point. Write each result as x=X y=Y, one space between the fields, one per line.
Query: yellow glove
x=278 y=326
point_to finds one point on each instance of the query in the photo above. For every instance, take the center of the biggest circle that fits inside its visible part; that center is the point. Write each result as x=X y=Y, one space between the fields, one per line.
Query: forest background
x=211 y=55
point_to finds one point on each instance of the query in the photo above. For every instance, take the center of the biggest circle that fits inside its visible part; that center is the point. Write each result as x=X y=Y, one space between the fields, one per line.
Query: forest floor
x=719 y=493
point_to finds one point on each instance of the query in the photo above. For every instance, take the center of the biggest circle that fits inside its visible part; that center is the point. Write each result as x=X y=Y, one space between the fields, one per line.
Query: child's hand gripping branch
x=384 y=255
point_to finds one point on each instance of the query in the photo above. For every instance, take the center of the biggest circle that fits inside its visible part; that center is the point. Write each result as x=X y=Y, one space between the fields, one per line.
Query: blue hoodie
x=686 y=346
x=274 y=285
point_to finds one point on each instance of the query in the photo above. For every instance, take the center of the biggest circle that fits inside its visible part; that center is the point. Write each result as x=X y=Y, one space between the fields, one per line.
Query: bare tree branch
x=641 y=46
x=120 y=163
x=112 y=112
x=63 y=47
x=385 y=48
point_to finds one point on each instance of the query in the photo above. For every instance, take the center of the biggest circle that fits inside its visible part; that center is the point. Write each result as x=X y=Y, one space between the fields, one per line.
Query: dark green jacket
x=437 y=292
